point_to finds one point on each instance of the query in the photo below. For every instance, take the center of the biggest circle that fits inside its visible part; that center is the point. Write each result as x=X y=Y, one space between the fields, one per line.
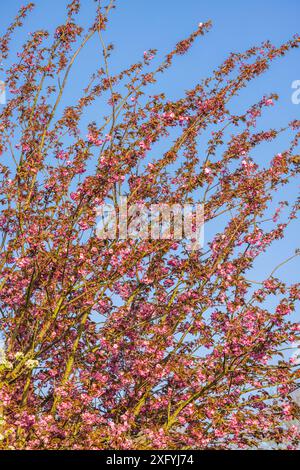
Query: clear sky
x=137 y=25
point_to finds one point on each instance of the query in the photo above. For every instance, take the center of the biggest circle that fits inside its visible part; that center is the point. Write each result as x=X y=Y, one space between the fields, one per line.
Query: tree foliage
x=140 y=344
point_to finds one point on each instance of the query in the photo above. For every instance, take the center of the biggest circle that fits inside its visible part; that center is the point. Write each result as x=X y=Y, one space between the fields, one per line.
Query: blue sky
x=137 y=25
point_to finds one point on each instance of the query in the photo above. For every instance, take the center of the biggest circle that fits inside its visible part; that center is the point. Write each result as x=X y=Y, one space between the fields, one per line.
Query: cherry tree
x=141 y=343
